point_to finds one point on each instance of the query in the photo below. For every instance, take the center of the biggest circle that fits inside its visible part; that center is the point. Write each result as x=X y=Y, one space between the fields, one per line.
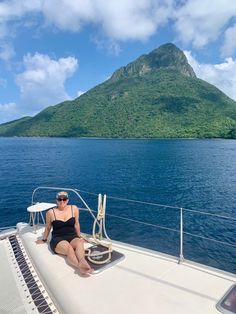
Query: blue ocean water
x=195 y=174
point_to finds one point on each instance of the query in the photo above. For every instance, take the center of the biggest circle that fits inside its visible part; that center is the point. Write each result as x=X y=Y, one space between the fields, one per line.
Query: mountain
x=157 y=95
x=167 y=56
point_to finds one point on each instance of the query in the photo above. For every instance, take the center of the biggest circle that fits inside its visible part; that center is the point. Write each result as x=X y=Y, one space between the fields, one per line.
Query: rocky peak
x=167 y=56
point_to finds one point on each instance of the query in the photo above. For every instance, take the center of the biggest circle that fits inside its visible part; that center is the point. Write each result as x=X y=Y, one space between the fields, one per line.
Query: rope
x=97 y=238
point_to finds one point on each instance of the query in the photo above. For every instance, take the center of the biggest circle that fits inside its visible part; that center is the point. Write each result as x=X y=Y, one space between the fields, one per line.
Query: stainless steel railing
x=181 y=231
x=155 y=206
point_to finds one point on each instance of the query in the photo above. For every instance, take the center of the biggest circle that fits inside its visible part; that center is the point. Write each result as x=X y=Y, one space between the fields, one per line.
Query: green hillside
x=158 y=95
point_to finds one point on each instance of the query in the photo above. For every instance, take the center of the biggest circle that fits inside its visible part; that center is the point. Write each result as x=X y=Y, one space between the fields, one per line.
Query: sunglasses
x=62 y=199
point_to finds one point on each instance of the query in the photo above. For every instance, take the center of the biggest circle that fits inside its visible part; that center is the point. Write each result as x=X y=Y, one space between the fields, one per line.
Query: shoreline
x=117 y=138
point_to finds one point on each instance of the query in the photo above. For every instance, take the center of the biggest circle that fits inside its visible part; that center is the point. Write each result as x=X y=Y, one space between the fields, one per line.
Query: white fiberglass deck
x=145 y=282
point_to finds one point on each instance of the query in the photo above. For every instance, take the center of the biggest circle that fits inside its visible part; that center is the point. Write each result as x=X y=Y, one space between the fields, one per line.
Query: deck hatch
x=116 y=257
x=227 y=304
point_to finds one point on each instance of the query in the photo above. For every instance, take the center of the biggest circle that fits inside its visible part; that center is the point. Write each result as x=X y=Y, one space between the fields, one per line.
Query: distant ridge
x=157 y=95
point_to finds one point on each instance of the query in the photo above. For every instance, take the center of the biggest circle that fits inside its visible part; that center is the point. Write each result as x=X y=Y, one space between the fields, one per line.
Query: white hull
x=34 y=280
x=144 y=282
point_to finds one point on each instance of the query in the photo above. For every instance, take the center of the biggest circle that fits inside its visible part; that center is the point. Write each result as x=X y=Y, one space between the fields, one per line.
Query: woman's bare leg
x=78 y=246
x=64 y=248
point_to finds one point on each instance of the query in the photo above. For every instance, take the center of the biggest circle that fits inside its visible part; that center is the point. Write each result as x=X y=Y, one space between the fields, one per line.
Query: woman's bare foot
x=84 y=267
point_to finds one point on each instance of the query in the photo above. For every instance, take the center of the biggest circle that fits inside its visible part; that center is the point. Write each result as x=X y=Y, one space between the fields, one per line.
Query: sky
x=55 y=50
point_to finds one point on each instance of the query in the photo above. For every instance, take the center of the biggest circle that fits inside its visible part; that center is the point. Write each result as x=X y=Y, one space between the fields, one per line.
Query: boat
x=126 y=279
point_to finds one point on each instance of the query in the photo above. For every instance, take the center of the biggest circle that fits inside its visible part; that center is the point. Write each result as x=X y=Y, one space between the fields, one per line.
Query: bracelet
x=44 y=240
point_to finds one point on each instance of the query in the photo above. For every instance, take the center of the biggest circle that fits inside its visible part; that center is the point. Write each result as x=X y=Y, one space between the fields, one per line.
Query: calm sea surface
x=194 y=174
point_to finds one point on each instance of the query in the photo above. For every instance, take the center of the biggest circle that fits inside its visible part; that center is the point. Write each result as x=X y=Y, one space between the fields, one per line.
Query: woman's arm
x=47 y=229
x=77 y=225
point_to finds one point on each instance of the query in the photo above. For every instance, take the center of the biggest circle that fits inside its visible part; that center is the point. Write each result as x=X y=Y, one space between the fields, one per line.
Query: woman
x=64 y=221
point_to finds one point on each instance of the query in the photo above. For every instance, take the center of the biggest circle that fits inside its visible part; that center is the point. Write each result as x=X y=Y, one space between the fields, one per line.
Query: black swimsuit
x=62 y=230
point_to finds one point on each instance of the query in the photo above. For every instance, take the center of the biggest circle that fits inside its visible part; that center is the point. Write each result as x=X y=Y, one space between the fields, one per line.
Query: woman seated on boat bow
x=64 y=221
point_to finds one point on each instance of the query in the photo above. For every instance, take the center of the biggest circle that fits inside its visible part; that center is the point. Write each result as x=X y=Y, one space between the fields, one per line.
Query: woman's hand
x=40 y=242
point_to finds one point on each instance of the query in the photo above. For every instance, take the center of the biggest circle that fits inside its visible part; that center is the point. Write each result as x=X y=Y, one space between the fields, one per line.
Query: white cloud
x=8 y=112
x=221 y=75
x=71 y=15
x=7 y=107
x=119 y=19
x=134 y=19
x=229 y=46
x=12 y=11
x=80 y=92
x=42 y=82
x=6 y=51
x=196 y=22
x=116 y=20
x=108 y=44
x=201 y=22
